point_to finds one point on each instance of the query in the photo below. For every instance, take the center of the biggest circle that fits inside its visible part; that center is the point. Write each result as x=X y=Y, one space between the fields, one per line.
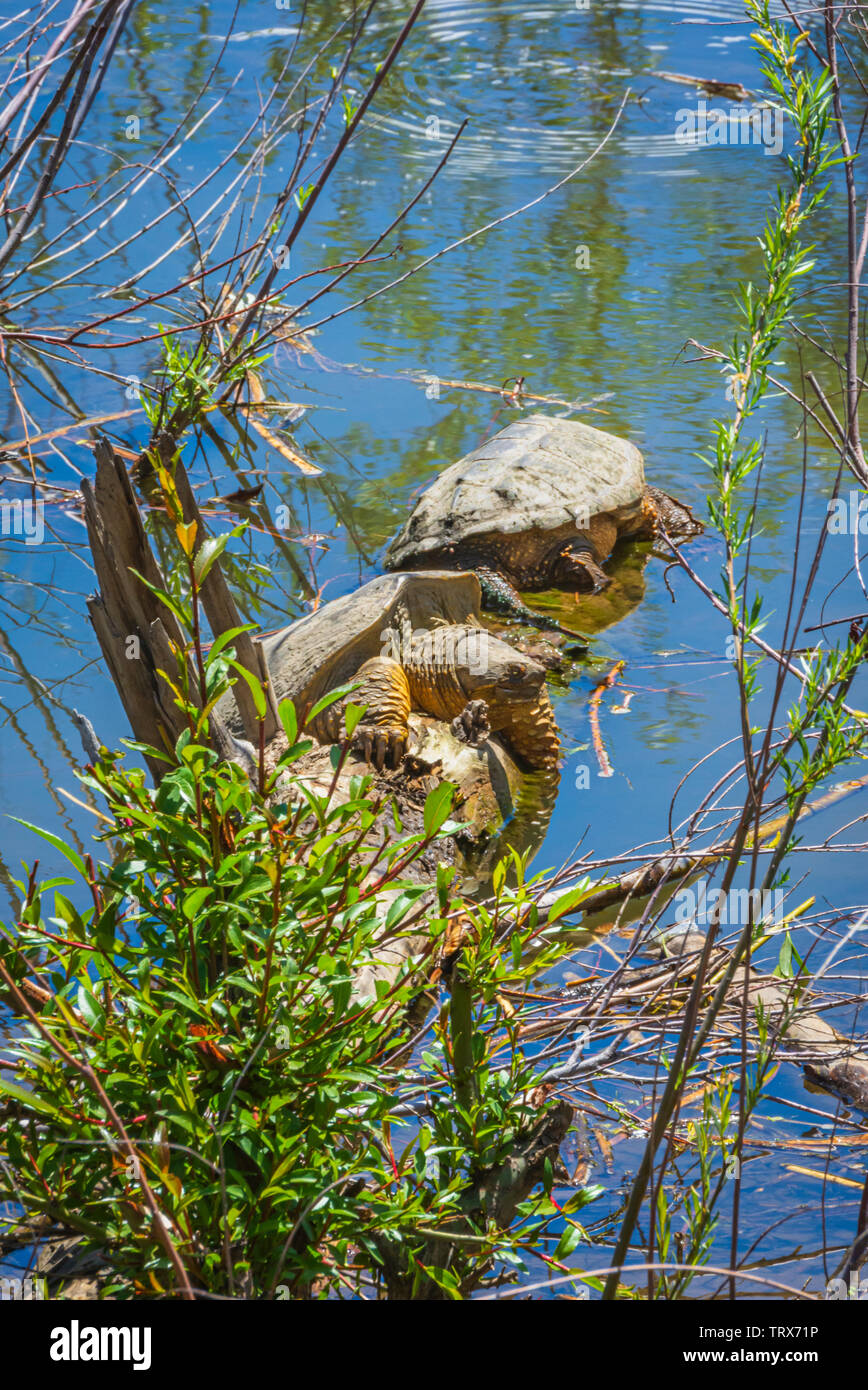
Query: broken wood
x=138 y=635
x=712 y=86
x=830 y=1059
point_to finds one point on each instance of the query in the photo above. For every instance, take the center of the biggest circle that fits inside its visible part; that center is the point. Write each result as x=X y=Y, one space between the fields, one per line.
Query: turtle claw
x=364 y=742
x=399 y=745
x=383 y=748
x=471 y=725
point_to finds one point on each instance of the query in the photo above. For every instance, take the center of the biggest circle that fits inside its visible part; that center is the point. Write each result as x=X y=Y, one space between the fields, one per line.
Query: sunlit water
x=590 y=296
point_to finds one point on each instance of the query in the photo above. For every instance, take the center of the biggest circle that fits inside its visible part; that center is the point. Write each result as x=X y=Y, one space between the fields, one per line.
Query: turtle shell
x=538 y=474
x=326 y=648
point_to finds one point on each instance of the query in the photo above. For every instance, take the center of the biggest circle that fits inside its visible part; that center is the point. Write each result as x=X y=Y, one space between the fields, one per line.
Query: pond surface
x=590 y=297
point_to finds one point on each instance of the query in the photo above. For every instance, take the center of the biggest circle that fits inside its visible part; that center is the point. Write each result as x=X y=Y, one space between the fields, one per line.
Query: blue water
x=669 y=231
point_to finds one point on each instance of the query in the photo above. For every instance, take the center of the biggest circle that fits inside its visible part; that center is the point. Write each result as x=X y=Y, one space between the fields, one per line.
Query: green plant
x=190 y=378
x=202 y=1088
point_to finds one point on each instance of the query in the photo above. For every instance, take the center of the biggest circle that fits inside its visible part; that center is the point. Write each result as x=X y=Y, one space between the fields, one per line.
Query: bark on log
x=144 y=694
x=126 y=608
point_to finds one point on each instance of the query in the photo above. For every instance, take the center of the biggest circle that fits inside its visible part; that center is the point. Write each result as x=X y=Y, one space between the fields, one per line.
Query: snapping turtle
x=413 y=642
x=538 y=506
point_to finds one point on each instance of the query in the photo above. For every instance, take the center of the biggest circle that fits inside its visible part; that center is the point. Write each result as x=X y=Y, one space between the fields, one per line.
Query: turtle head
x=491 y=670
x=574 y=566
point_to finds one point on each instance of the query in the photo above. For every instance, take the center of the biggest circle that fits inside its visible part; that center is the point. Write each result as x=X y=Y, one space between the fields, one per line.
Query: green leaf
x=289 y=720
x=75 y=860
x=27 y=1098
x=571 y=1238
x=193 y=900
x=572 y=899
x=183 y=618
x=89 y=1009
x=582 y=1198
x=224 y=638
x=255 y=685
x=209 y=551
x=438 y=804
x=784 y=968
x=331 y=698
x=402 y=903
x=352 y=715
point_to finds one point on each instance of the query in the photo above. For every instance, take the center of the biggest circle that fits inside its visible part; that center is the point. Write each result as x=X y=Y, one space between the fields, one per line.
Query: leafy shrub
x=202 y=1089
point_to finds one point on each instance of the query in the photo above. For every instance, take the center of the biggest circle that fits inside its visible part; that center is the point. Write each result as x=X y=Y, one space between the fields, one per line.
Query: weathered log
x=118 y=544
x=125 y=609
x=87 y=733
x=829 y=1059
x=141 y=690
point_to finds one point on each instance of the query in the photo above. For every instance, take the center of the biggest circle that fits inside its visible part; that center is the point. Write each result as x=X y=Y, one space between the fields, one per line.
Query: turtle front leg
x=532 y=733
x=500 y=596
x=383 y=732
x=576 y=568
